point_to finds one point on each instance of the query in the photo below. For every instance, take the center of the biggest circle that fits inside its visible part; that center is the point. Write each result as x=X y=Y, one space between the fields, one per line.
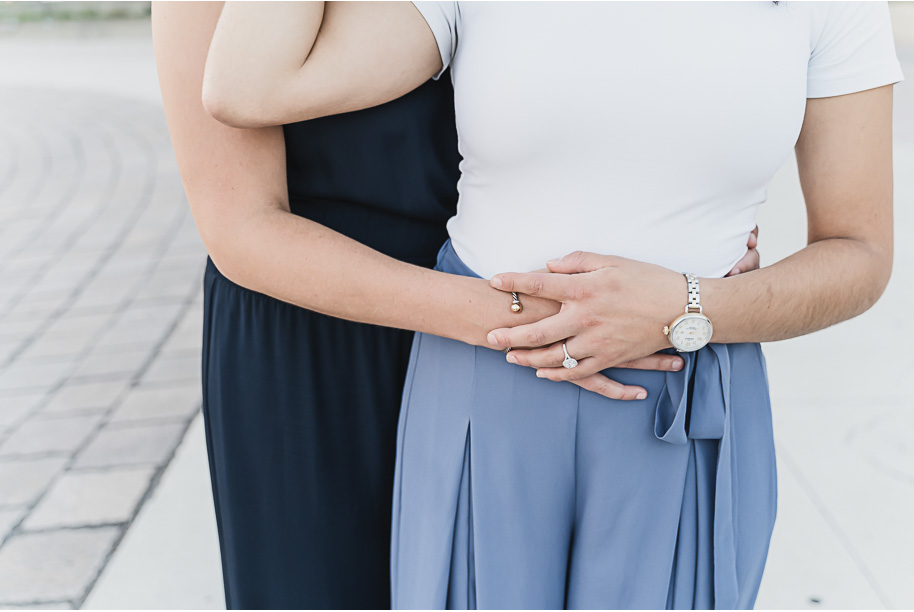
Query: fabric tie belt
x=675 y=422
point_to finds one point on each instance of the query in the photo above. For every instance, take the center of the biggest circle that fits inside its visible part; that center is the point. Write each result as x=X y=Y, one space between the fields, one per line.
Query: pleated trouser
x=517 y=492
x=301 y=416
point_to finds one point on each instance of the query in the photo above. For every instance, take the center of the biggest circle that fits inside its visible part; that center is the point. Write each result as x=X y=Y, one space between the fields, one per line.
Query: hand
x=551 y=357
x=600 y=384
x=613 y=313
x=536 y=309
x=750 y=260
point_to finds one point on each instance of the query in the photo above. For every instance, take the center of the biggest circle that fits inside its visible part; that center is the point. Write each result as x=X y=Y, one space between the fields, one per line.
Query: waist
x=511 y=234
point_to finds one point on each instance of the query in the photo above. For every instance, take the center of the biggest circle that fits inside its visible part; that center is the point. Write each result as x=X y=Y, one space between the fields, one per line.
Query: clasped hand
x=612 y=315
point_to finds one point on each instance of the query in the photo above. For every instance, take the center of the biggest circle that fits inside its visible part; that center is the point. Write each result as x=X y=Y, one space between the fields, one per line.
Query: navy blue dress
x=300 y=408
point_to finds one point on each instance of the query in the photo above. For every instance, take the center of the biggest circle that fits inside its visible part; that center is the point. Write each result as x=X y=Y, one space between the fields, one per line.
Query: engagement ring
x=570 y=362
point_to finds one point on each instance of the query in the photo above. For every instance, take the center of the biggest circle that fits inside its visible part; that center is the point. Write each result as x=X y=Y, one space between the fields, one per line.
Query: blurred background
x=104 y=489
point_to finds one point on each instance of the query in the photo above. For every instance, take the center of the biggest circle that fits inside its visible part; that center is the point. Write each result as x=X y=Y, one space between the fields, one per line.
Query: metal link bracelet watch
x=692 y=330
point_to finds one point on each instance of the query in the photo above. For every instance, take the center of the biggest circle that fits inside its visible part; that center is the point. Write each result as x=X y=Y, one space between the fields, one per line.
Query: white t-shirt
x=642 y=129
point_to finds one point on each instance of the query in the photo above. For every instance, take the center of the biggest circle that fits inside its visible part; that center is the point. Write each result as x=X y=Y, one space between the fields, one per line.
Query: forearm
x=255 y=51
x=291 y=61
x=827 y=282
x=296 y=260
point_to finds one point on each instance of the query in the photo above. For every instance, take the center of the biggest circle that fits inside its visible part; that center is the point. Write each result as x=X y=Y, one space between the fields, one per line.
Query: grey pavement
x=100 y=304
x=104 y=488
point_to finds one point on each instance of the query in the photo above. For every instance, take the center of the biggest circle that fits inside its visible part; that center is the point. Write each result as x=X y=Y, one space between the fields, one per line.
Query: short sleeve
x=854 y=50
x=442 y=18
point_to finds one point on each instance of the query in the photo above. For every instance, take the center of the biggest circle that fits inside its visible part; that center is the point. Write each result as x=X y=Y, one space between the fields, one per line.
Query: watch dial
x=691 y=333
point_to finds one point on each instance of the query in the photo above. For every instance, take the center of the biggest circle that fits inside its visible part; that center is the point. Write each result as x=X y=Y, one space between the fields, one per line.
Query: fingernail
x=735 y=271
x=496 y=282
x=641 y=395
x=677 y=364
x=552 y=261
x=511 y=358
x=492 y=339
x=540 y=374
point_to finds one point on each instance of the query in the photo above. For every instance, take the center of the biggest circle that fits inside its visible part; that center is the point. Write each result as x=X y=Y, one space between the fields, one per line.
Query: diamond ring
x=570 y=362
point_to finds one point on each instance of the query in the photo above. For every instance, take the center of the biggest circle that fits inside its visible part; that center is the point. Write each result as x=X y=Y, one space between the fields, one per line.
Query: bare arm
x=281 y=62
x=614 y=307
x=236 y=184
x=844 y=155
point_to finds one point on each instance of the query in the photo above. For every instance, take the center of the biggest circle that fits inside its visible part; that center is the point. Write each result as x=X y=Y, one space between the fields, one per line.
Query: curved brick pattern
x=100 y=268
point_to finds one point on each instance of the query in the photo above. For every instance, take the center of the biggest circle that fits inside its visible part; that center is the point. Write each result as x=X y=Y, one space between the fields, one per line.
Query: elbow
x=226 y=109
x=879 y=271
x=227 y=260
x=883 y=273
x=216 y=248
x=231 y=106
x=236 y=249
x=221 y=243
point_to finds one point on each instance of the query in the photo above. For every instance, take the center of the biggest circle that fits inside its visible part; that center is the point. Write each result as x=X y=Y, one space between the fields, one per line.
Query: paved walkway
x=100 y=314
x=99 y=363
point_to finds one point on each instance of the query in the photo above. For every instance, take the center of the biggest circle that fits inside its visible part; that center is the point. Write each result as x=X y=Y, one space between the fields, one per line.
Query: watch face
x=691 y=332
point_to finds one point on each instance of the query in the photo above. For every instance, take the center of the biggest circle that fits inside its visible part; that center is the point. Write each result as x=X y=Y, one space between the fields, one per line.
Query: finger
x=749 y=262
x=585 y=367
x=581 y=261
x=552 y=286
x=660 y=361
x=542 y=333
x=548 y=357
x=752 y=242
x=755 y=260
x=597 y=383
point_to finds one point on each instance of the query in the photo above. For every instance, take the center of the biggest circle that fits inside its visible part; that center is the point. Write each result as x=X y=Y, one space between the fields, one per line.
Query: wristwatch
x=692 y=330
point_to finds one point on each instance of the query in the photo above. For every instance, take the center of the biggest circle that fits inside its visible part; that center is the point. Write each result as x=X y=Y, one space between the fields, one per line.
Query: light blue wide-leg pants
x=517 y=492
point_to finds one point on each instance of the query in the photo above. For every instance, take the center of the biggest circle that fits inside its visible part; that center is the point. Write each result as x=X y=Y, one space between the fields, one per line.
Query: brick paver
x=53 y=566
x=91 y=498
x=100 y=309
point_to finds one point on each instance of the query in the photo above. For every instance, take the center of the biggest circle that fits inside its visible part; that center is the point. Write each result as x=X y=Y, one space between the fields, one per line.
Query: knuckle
x=534 y=286
x=535 y=337
x=576 y=257
x=590 y=320
x=582 y=291
x=607 y=390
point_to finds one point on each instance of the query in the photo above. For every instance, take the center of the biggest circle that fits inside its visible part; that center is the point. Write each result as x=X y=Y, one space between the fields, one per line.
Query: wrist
x=498 y=314
x=692 y=329
x=713 y=297
x=671 y=304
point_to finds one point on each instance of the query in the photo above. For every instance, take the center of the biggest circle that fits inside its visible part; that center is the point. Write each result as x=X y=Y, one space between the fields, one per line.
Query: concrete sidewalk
x=843 y=408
